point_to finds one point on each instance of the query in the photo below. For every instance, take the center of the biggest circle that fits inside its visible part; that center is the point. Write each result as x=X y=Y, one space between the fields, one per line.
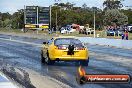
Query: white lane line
x=34 y=44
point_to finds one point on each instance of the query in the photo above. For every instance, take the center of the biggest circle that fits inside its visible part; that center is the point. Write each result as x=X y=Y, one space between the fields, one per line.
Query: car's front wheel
x=48 y=60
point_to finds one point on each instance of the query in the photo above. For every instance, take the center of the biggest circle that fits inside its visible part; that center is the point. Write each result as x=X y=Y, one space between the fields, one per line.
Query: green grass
x=10 y=30
x=130 y=36
x=102 y=34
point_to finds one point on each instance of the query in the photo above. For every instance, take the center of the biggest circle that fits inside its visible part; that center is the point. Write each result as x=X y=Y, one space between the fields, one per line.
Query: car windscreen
x=67 y=41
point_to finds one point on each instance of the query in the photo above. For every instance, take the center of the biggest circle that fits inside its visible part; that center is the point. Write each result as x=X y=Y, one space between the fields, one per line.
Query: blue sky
x=13 y=5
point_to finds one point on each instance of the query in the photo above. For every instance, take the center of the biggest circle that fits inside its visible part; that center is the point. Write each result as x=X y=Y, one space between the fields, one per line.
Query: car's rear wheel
x=42 y=58
x=84 y=62
x=48 y=60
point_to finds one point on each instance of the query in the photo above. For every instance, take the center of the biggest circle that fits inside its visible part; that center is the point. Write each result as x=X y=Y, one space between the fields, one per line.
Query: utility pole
x=56 y=20
x=94 y=25
x=56 y=23
x=37 y=15
x=24 y=18
x=24 y=15
x=50 y=17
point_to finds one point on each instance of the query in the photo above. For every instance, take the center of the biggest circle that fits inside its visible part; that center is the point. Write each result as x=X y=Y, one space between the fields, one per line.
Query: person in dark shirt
x=123 y=35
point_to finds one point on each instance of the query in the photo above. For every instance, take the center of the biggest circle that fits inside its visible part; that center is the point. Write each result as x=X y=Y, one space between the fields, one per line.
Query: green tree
x=67 y=5
x=115 y=17
x=6 y=22
x=84 y=6
x=77 y=15
x=128 y=13
x=112 y=4
x=6 y=16
x=18 y=19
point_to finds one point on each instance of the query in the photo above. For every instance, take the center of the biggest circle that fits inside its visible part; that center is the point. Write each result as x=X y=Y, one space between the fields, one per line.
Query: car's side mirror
x=44 y=42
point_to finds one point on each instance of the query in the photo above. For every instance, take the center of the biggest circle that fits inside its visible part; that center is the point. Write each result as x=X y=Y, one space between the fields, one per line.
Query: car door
x=46 y=46
x=50 y=47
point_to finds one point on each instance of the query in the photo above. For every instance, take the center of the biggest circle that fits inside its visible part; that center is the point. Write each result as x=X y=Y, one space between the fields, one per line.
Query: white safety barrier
x=127 y=44
x=108 y=42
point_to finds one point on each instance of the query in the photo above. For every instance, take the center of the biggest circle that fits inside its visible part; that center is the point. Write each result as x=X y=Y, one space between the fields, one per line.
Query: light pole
x=37 y=15
x=24 y=30
x=24 y=15
x=50 y=17
x=56 y=20
x=94 y=24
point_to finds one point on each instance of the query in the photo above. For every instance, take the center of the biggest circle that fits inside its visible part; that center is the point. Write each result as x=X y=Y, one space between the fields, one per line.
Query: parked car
x=110 y=32
x=86 y=30
x=67 y=29
x=129 y=28
x=64 y=30
x=65 y=48
x=120 y=32
x=70 y=28
x=115 y=32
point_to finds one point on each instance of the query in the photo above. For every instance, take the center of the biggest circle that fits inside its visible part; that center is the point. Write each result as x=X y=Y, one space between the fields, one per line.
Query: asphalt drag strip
x=27 y=57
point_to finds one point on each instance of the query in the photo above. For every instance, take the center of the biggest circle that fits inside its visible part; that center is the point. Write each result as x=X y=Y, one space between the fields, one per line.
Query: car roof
x=65 y=37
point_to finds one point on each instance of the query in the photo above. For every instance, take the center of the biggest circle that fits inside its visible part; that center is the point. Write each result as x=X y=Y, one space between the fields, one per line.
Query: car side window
x=50 y=41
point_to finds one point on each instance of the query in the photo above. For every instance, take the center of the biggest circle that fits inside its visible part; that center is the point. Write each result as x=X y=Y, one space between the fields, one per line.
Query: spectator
x=60 y=30
x=123 y=35
x=126 y=34
x=54 y=29
x=50 y=31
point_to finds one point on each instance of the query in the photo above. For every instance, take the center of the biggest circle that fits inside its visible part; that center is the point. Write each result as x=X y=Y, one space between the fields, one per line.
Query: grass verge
x=101 y=34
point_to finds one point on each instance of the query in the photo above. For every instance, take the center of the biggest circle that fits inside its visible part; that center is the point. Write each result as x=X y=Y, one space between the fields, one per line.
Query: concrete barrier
x=108 y=42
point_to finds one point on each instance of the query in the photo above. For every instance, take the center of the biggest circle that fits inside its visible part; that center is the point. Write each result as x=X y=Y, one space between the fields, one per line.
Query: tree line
x=15 y=21
x=68 y=13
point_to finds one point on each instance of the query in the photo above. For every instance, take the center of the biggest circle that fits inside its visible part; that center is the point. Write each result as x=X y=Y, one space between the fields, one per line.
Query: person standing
x=126 y=34
x=123 y=35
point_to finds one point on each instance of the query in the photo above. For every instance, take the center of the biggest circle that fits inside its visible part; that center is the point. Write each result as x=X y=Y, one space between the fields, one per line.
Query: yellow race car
x=66 y=48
